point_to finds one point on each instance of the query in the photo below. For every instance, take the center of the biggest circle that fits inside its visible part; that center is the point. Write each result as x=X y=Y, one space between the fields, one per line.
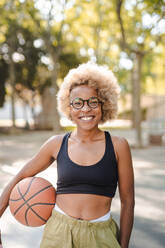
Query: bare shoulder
x=53 y=144
x=56 y=139
x=121 y=146
x=119 y=141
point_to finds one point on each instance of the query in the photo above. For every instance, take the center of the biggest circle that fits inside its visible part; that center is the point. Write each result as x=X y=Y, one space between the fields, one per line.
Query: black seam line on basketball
x=25 y=192
x=30 y=207
x=26 y=201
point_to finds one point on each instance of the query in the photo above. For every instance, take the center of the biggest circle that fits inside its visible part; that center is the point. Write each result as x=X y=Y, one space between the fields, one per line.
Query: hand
x=0 y=240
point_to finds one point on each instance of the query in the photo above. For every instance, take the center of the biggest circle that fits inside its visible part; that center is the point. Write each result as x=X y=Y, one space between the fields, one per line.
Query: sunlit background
x=40 y=41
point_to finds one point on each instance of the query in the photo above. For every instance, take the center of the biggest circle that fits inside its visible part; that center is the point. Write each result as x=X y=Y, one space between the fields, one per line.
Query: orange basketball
x=32 y=200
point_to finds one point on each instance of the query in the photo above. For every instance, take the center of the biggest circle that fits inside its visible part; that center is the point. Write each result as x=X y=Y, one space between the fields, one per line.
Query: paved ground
x=149 y=167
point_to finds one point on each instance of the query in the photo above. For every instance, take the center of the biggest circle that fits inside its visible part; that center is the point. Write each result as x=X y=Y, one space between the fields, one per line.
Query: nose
x=86 y=107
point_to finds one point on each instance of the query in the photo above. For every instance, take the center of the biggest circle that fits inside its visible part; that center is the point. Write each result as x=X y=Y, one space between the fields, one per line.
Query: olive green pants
x=63 y=231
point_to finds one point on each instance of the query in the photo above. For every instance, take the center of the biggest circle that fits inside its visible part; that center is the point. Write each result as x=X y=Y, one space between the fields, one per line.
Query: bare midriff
x=84 y=206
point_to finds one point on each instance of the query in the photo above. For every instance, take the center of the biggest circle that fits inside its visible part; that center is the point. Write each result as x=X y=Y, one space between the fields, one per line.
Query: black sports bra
x=100 y=178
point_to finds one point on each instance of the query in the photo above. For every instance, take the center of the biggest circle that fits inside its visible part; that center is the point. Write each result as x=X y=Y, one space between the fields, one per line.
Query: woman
x=90 y=165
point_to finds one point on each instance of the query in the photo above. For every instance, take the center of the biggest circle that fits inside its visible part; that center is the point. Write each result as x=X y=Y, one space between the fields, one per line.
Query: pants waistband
x=65 y=219
x=100 y=219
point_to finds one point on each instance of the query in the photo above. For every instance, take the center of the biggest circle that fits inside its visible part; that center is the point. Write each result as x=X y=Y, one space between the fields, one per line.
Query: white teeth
x=85 y=118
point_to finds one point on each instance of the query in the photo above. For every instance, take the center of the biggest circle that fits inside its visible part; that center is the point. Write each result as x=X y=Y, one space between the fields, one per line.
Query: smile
x=86 y=118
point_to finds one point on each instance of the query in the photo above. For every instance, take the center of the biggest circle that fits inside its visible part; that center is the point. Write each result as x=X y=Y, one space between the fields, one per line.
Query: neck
x=86 y=135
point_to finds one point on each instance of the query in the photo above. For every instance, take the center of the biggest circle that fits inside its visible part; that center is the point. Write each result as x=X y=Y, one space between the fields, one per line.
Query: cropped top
x=100 y=178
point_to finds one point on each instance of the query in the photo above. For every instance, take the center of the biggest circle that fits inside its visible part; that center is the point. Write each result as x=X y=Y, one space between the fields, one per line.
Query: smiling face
x=86 y=117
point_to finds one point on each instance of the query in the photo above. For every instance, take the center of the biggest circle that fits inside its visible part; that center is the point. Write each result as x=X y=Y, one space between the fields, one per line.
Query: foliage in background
x=41 y=40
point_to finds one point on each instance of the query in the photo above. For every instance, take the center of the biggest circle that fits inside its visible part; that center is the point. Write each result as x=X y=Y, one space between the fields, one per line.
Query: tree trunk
x=12 y=83
x=25 y=106
x=55 y=114
x=136 y=97
x=97 y=31
x=44 y=120
x=49 y=119
x=32 y=105
x=54 y=53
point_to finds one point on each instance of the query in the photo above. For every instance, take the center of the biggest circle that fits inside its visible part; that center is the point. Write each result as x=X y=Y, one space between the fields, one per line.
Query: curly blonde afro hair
x=98 y=77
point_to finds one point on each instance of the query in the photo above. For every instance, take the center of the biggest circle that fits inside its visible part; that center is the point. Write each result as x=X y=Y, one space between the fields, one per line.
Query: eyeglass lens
x=78 y=103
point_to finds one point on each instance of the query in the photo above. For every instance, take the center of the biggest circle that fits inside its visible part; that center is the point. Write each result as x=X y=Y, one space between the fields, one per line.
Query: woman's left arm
x=126 y=190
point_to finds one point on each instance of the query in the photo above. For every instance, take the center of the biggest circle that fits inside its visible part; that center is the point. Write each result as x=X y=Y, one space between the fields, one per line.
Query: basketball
x=32 y=200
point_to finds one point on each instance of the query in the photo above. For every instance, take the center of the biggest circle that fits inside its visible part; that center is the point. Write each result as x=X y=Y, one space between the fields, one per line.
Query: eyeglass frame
x=87 y=100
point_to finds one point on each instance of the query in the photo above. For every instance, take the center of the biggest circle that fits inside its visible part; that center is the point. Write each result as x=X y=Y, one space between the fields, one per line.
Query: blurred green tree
x=31 y=41
x=17 y=50
x=140 y=33
x=53 y=28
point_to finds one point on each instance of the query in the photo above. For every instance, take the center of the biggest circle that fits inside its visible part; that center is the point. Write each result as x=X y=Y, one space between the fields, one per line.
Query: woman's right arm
x=0 y=240
x=37 y=164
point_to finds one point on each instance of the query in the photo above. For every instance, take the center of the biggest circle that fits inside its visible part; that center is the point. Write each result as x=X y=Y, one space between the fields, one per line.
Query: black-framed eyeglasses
x=78 y=103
